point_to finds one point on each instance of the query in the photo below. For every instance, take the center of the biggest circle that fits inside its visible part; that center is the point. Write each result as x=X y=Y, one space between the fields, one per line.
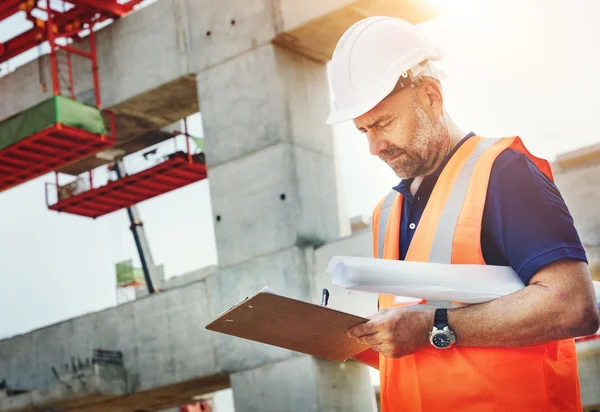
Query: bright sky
x=513 y=67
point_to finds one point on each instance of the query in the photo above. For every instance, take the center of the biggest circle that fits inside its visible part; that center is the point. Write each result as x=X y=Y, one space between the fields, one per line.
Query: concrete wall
x=99 y=382
x=579 y=188
x=160 y=338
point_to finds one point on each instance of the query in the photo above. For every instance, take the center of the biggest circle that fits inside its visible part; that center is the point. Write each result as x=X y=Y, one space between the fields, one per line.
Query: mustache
x=390 y=153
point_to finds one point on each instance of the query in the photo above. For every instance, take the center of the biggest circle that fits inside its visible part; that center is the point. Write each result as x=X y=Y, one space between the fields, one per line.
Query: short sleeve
x=526 y=223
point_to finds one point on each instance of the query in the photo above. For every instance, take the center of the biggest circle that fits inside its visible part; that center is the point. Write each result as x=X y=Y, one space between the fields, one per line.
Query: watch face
x=441 y=340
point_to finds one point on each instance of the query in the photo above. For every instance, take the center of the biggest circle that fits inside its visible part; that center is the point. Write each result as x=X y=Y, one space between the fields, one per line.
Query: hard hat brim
x=340 y=116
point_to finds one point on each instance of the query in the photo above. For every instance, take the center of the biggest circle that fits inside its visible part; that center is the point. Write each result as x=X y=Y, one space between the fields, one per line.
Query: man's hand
x=395 y=332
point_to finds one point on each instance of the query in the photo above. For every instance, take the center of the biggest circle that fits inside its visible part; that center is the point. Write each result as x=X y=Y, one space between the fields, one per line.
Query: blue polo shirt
x=526 y=223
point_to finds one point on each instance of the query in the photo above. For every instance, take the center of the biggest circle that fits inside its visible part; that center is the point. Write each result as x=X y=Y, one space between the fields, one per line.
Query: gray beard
x=428 y=145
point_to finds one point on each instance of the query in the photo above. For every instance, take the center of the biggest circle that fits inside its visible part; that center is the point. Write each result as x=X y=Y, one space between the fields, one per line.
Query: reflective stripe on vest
x=441 y=249
x=386 y=208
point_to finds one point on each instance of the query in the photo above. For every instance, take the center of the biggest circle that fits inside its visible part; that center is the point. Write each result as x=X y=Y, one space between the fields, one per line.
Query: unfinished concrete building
x=256 y=70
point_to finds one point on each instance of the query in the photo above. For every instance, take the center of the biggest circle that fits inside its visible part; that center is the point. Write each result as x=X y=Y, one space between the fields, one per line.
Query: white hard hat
x=370 y=58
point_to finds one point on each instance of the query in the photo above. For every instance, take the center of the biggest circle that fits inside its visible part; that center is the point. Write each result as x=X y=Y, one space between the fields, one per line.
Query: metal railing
x=56 y=192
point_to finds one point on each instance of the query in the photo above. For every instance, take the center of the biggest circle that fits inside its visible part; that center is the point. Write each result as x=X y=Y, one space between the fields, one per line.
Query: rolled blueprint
x=430 y=281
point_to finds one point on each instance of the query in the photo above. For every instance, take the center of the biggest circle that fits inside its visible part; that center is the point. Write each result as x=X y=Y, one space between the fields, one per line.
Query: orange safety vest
x=535 y=378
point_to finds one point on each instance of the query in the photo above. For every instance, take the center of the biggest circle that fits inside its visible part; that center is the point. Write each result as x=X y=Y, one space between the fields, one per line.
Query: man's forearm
x=559 y=303
x=534 y=315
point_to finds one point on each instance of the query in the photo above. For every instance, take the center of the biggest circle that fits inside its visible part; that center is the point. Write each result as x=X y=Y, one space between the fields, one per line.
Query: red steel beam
x=21 y=43
x=112 y=8
x=185 y=174
x=34 y=155
x=105 y=203
x=131 y=4
x=68 y=24
x=9 y=7
x=36 y=35
x=173 y=181
x=86 y=204
x=154 y=185
x=62 y=20
x=126 y=198
x=138 y=191
x=33 y=37
x=74 y=50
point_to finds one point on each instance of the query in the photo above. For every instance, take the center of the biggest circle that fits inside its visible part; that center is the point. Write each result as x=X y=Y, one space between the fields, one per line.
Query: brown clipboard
x=292 y=324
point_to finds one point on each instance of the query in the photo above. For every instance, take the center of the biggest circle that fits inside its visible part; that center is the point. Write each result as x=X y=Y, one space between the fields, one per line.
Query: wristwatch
x=441 y=337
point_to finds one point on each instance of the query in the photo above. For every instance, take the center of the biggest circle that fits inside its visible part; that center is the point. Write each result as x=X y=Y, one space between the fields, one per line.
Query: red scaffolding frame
x=177 y=170
x=67 y=23
x=49 y=150
x=57 y=145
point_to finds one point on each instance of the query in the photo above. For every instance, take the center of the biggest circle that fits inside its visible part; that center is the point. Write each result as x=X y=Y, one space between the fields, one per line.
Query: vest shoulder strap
x=385 y=209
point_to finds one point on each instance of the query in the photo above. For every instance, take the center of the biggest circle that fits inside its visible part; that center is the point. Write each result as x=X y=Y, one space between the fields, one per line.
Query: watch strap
x=440 y=320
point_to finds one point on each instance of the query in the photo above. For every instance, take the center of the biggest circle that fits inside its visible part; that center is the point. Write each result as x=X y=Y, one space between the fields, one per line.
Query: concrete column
x=304 y=384
x=270 y=155
x=274 y=197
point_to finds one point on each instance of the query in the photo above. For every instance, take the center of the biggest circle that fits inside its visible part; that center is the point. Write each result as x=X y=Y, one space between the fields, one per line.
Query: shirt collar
x=404 y=186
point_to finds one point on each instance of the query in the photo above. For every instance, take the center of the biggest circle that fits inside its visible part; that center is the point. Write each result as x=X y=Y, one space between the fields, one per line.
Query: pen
x=324 y=297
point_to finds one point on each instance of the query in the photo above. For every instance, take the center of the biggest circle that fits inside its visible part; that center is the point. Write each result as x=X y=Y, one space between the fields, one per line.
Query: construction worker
x=462 y=199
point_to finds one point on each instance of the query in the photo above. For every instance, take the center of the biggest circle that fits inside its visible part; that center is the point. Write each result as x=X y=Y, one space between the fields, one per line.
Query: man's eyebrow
x=378 y=120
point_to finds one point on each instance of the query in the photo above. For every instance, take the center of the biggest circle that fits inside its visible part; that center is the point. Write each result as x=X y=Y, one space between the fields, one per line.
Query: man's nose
x=377 y=144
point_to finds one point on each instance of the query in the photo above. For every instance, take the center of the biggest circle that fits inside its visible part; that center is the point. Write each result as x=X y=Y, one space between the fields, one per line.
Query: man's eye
x=384 y=125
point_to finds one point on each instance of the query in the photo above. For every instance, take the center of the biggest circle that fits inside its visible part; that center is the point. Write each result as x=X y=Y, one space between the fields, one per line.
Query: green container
x=57 y=109
x=127 y=274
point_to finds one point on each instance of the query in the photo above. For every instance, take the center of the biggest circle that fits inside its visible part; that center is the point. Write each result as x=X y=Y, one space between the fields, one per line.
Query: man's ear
x=431 y=98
